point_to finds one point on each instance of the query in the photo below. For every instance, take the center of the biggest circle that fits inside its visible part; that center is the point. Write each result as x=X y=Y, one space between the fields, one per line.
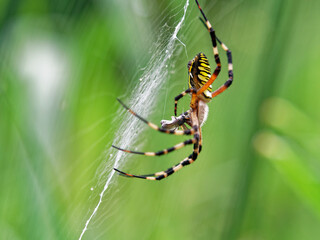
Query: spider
x=200 y=80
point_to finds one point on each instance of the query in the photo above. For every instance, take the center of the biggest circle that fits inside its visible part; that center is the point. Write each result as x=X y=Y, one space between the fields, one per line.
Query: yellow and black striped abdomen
x=199 y=74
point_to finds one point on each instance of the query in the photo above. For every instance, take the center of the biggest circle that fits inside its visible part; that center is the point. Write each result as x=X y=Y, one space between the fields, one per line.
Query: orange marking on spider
x=200 y=89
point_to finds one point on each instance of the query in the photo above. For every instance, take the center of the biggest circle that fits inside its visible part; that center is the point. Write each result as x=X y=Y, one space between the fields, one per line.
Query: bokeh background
x=64 y=63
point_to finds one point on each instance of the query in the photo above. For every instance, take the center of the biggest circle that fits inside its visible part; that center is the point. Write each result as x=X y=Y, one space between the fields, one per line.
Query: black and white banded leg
x=230 y=71
x=161 y=152
x=215 y=51
x=163 y=174
x=181 y=95
x=160 y=129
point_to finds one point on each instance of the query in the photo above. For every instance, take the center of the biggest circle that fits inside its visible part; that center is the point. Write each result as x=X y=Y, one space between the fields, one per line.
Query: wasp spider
x=200 y=80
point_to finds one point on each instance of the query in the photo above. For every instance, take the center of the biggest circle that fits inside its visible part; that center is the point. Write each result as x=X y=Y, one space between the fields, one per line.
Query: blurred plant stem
x=269 y=70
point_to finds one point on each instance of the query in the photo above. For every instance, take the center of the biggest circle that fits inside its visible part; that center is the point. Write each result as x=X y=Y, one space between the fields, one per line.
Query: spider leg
x=155 y=127
x=184 y=127
x=130 y=175
x=230 y=71
x=181 y=95
x=215 y=52
x=200 y=140
x=162 y=152
x=163 y=174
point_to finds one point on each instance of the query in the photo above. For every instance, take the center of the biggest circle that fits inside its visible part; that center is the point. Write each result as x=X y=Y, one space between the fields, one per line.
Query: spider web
x=144 y=94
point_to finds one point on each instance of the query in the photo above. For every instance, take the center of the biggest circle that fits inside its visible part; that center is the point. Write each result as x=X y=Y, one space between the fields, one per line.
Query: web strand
x=145 y=93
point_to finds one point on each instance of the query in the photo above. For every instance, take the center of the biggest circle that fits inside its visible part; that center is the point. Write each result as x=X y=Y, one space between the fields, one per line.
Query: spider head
x=199 y=73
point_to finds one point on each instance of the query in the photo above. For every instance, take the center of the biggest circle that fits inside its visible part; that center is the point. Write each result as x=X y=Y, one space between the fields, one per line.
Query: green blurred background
x=64 y=63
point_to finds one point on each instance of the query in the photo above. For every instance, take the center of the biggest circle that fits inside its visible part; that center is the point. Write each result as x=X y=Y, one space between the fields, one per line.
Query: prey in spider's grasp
x=200 y=90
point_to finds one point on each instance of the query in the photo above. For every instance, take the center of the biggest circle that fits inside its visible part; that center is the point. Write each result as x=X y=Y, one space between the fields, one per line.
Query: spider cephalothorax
x=200 y=80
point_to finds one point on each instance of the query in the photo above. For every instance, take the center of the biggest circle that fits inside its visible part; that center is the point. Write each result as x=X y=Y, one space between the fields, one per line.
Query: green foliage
x=62 y=65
